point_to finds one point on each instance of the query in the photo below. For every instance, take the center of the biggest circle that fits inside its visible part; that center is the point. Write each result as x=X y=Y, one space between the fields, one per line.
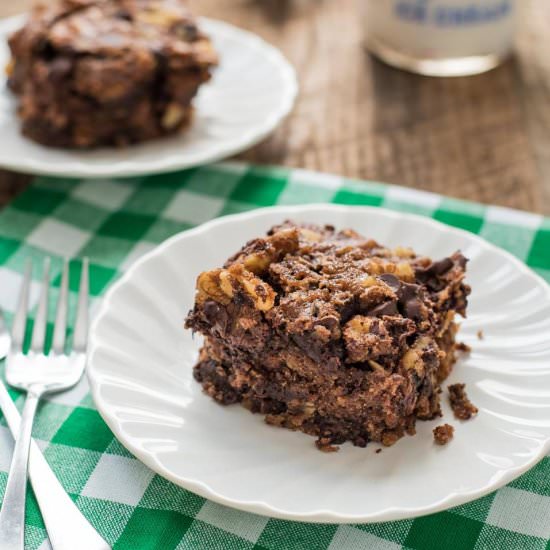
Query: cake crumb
x=461 y=346
x=480 y=335
x=443 y=434
x=324 y=445
x=463 y=408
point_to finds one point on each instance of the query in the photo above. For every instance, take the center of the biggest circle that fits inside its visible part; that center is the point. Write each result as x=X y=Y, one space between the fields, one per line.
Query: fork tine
x=80 y=337
x=20 y=317
x=39 y=328
x=60 y=329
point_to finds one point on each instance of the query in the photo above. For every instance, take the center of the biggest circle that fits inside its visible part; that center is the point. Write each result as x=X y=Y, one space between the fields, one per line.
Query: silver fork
x=38 y=374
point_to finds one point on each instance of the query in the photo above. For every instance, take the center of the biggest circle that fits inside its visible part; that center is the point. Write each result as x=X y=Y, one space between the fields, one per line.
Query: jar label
x=441 y=14
x=441 y=28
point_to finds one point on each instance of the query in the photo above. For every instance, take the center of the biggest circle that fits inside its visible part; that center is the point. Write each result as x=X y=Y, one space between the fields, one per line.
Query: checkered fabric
x=115 y=222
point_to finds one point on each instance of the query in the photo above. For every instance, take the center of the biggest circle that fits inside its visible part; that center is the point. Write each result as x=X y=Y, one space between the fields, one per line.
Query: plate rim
x=80 y=169
x=259 y=506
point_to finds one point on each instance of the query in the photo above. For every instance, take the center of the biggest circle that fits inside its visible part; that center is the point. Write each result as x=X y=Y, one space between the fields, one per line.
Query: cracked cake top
x=323 y=287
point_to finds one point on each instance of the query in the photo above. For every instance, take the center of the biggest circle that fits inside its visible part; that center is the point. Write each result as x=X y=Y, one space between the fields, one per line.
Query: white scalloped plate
x=251 y=92
x=141 y=361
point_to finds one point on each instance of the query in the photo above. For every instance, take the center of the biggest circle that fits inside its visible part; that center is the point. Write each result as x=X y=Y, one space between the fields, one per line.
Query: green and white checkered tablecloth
x=113 y=223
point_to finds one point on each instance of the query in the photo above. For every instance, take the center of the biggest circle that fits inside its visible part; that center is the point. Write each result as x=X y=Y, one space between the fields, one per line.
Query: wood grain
x=484 y=138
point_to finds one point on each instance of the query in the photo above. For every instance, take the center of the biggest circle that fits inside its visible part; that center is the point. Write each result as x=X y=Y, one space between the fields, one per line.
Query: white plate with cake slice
x=252 y=90
x=141 y=373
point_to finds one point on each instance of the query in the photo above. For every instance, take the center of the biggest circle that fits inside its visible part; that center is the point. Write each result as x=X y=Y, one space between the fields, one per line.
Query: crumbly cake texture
x=107 y=72
x=461 y=405
x=443 y=434
x=330 y=333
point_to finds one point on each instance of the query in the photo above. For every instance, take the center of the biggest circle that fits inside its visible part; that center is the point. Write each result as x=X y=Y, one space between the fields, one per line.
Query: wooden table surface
x=484 y=138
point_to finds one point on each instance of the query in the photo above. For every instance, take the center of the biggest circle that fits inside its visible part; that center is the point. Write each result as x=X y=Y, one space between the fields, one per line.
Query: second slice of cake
x=90 y=73
x=329 y=333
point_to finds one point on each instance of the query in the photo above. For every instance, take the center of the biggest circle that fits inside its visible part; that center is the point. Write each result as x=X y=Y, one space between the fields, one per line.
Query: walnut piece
x=358 y=338
x=220 y=285
x=156 y=15
x=209 y=287
x=310 y=235
x=401 y=270
x=270 y=249
x=412 y=360
x=404 y=252
x=367 y=339
x=369 y=281
x=261 y=293
x=172 y=116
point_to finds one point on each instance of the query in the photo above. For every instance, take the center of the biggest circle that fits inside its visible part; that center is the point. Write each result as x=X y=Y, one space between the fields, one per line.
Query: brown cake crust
x=107 y=72
x=329 y=333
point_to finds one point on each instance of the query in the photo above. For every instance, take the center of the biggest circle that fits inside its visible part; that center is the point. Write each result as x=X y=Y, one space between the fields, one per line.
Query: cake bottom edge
x=336 y=407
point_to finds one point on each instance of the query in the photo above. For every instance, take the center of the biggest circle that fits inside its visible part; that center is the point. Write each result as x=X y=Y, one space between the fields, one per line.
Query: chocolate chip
x=331 y=322
x=215 y=315
x=60 y=68
x=442 y=266
x=413 y=309
x=123 y=14
x=460 y=259
x=391 y=280
x=407 y=295
x=407 y=292
x=408 y=298
x=430 y=274
x=385 y=308
x=188 y=31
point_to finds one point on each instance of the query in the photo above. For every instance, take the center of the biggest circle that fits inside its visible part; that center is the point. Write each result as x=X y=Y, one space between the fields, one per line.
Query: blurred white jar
x=440 y=37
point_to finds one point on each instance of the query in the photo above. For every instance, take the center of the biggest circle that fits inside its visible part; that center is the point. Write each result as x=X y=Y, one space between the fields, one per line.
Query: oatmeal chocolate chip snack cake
x=107 y=72
x=329 y=333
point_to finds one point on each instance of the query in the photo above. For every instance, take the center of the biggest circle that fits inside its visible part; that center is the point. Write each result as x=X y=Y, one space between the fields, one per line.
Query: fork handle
x=12 y=514
x=66 y=526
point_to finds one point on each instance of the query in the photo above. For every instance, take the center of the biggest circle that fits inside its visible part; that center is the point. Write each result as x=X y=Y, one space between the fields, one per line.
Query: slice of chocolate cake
x=107 y=72
x=330 y=333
